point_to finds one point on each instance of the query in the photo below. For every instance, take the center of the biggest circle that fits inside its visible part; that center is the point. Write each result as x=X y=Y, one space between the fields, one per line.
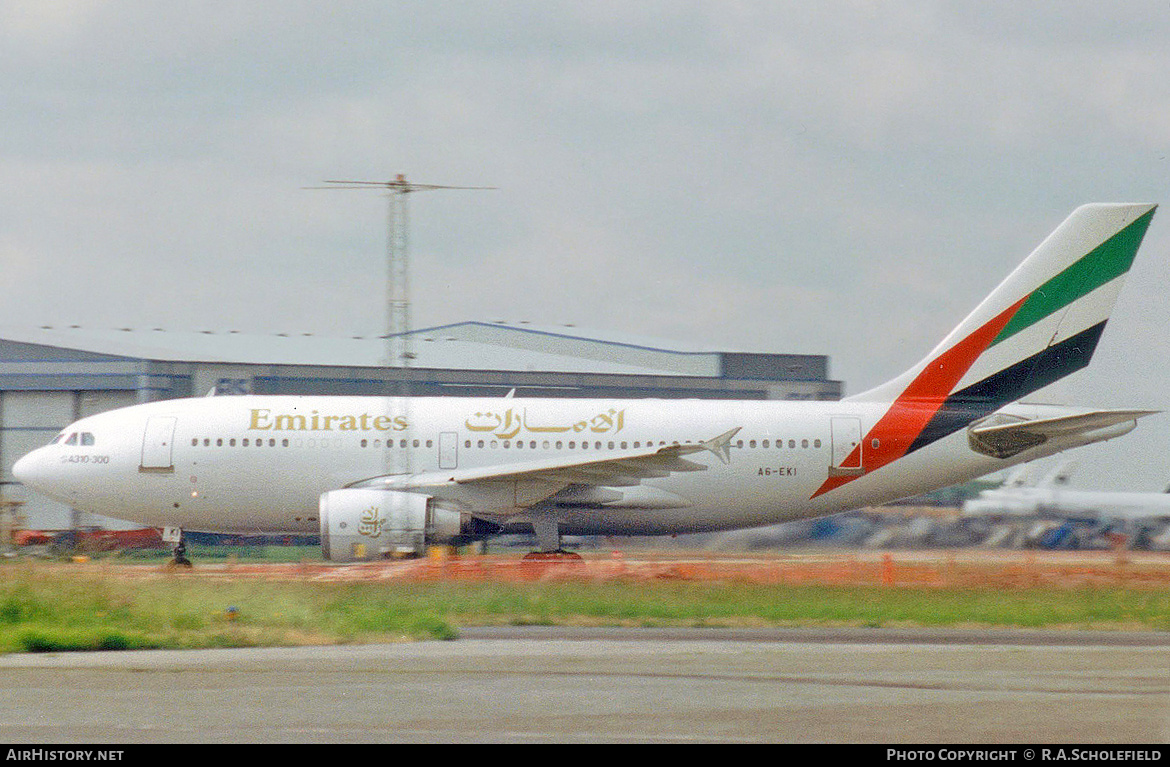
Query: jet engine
x=360 y=524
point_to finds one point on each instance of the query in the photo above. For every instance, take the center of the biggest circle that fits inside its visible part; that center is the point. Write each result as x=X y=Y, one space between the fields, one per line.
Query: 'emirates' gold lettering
x=263 y=419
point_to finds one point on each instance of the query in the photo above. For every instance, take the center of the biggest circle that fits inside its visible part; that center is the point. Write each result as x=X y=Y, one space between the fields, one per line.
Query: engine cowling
x=359 y=524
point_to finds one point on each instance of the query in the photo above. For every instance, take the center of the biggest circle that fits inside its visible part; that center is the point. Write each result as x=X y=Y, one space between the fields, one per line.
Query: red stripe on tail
x=921 y=400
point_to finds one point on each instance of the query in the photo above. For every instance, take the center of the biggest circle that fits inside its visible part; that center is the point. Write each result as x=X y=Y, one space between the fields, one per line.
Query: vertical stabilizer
x=1042 y=322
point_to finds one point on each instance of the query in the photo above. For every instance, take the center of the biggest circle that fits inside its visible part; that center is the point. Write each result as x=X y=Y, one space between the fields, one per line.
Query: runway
x=521 y=685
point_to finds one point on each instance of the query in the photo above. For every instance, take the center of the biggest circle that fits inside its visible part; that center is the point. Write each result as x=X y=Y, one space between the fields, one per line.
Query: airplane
x=1087 y=505
x=1014 y=495
x=389 y=476
x=1139 y=513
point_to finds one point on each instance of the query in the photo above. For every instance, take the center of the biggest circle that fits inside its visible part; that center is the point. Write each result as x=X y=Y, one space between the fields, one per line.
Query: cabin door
x=448 y=450
x=157 y=444
x=846 y=453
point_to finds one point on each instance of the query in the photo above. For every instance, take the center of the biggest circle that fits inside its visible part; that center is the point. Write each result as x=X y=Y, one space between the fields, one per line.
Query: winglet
x=721 y=445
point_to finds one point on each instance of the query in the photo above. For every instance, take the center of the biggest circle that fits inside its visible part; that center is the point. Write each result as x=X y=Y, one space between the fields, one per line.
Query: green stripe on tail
x=1106 y=262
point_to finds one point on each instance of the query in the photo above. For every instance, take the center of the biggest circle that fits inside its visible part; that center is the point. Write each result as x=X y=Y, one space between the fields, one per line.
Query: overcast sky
x=840 y=178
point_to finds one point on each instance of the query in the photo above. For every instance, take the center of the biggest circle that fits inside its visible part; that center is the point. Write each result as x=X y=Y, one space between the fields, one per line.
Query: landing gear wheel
x=560 y=555
x=180 y=560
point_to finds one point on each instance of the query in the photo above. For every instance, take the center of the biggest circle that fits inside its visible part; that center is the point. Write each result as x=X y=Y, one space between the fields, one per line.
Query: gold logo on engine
x=370 y=523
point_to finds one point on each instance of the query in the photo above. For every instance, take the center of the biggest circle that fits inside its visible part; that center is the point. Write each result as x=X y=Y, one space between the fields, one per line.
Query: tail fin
x=1059 y=476
x=1025 y=476
x=1041 y=324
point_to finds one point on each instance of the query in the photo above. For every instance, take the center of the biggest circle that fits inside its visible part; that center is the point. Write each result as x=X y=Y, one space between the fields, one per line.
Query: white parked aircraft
x=1053 y=499
x=382 y=475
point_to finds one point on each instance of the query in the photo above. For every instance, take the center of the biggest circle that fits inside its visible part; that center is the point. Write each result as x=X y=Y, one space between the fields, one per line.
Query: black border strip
x=1010 y=384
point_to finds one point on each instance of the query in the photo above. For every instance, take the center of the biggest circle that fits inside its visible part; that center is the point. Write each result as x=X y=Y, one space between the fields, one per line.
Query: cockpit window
x=83 y=438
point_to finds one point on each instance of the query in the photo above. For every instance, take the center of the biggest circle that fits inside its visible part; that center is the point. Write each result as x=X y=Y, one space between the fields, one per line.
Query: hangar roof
x=465 y=345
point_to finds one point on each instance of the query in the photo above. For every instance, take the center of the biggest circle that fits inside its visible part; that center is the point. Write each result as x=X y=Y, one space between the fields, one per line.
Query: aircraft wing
x=512 y=488
x=1001 y=439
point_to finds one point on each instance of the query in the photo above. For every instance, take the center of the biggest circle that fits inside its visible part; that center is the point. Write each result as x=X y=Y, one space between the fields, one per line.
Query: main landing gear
x=560 y=555
x=548 y=535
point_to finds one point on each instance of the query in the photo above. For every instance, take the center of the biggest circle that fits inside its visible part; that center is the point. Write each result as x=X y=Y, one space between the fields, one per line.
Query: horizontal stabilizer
x=1003 y=439
x=721 y=445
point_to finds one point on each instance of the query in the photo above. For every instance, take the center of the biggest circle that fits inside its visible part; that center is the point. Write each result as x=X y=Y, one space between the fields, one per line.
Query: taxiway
x=610 y=685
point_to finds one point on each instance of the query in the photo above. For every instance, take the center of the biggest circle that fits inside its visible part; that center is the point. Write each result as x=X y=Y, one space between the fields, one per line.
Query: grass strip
x=53 y=610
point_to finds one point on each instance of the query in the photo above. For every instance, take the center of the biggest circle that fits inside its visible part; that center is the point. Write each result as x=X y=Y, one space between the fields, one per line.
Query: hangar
x=51 y=376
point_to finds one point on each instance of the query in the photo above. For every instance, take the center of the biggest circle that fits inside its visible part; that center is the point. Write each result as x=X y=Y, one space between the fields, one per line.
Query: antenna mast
x=398 y=352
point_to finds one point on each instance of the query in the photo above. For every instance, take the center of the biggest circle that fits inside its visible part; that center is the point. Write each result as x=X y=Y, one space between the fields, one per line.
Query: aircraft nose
x=29 y=470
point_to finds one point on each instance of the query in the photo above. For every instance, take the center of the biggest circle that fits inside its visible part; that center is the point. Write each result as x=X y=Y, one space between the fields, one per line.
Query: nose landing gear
x=180 y=558
x=175 y=535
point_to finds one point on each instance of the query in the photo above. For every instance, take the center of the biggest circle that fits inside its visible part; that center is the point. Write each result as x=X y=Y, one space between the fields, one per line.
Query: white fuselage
x=260 y=463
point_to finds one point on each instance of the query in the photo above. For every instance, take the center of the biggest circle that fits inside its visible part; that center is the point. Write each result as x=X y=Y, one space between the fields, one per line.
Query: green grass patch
x=53 y=608
x=737 y=604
